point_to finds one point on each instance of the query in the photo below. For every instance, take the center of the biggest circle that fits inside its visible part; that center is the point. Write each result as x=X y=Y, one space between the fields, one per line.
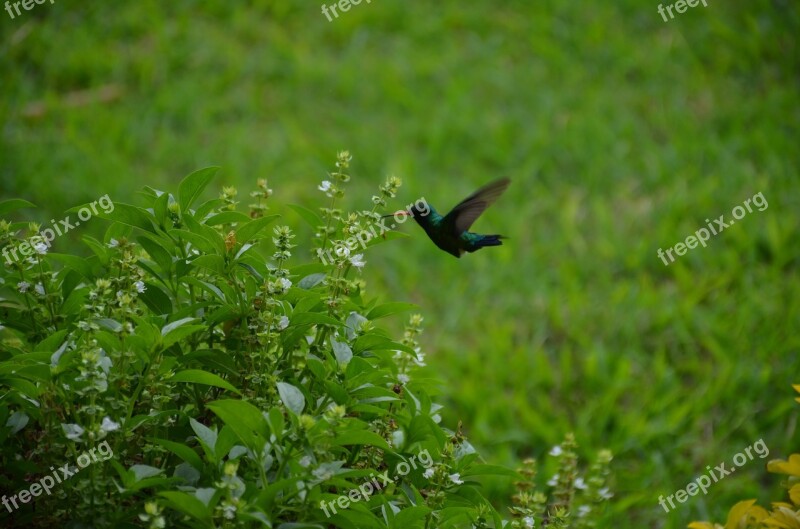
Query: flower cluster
x=576 y=500
x=262 y=194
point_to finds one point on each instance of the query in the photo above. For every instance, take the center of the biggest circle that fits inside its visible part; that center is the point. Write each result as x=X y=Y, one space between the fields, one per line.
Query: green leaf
x=311 y=218
x=156 y=299
x=128 y=215
x=141 y=472
x=51 y=342
x=108 y=323
x=181 y=333
x=156 y=252
x=178 y=330
x=198 y=241
x=193 y=185
x=313 y=318
x=198 y=376
x=23 y=386
x=311 y=281
x=292 y=397
x=188 y=505
x=360 y=437
x=213 y=358
x=247 y=421
x=252 y=271
x=7 y=206
x=227 y=217
x=214 y=263
x=168 y=328
x=354 y=322
x=251 y=229
x=17 y=421
x=206 y=435
x=409 y=516
x=374 y=342
x=390 y=308
x=276 y=422
x=342 y=351
x=182 y=451
x=97 y=247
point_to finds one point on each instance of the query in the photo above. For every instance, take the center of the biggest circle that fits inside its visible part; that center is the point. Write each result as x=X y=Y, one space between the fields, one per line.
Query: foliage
x=233 y=391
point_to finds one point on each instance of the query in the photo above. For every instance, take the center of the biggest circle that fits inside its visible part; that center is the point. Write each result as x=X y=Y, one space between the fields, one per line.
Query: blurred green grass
x=622 y=134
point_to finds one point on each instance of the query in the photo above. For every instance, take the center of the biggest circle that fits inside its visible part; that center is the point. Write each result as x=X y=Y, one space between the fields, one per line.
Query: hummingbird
x=451 y=232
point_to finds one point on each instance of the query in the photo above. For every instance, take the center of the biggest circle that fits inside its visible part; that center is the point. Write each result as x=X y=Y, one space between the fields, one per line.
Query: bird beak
x=402 y=212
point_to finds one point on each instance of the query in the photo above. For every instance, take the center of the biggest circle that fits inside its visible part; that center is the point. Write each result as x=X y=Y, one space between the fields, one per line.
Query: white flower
x=72 y=431
x=579 y=483
x=456 y=478
x=140 y=286
x=583 y=510
x=556 y=451
x=528 y=522
x=428 y=474
x=553 y=481
x=358 y=260
x=39 y=288
x=23 y=286
x=605 y=493
x=108 y=425
x=284 y=283
x=41 y=248
x=305 y=461
x=325 y=187
x=403 y=378
x=2 y=326
x=113 y=243
x=283 y=323
x=420 y=358
x=343 y=251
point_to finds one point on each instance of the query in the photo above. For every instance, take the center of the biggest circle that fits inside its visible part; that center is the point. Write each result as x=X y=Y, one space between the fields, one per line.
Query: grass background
x=622 y=134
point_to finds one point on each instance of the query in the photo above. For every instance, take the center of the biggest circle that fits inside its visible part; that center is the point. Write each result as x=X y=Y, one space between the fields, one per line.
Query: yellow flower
x=791 y=467
x=794 y=493
x=783 y=518
x=741 y=515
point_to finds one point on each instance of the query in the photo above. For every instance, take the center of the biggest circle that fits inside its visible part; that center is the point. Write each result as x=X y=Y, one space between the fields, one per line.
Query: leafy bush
x=221 y=390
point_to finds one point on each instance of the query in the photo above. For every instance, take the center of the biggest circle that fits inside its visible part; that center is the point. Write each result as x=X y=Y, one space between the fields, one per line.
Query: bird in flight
x=451 y=232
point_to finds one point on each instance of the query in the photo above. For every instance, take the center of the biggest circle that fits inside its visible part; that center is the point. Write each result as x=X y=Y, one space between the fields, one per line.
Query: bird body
x=451 y=232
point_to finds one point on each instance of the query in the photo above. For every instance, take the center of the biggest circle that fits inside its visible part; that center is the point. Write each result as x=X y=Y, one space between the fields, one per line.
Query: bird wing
x=468 y=210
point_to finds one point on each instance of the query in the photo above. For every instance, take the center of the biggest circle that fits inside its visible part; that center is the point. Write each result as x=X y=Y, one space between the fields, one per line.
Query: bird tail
x=488 y=240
